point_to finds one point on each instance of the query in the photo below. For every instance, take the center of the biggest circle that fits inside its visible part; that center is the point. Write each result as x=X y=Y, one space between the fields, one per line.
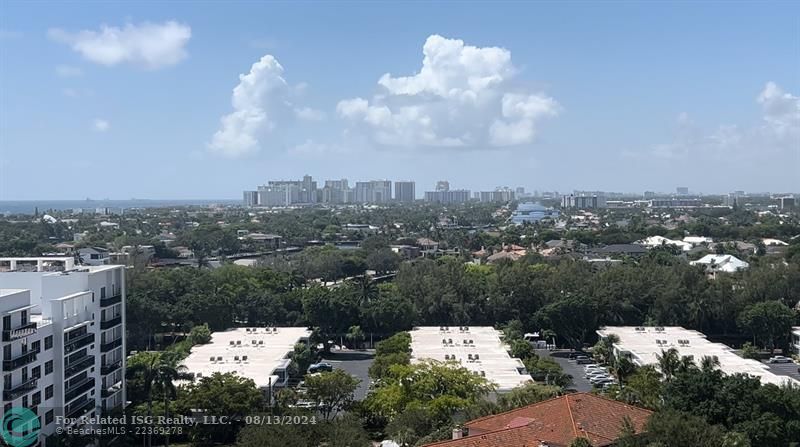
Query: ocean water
x=29 y=206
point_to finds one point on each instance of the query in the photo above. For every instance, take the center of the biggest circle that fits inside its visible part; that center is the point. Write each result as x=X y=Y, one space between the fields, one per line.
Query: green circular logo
x=20 y=427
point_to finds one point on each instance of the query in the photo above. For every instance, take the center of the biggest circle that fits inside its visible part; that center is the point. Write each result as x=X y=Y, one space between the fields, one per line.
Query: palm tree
x=622 y=368
x=686 y=364
x=355 y=335
x=167 y=372
x=668 y=363
x=604 y=349
x=144 y=365
x=366 y=289
x=709 y=363
x=156 y=370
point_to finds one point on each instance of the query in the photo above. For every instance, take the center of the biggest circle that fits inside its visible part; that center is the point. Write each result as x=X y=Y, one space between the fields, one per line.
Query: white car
x=592 y=375
x=780 y=359
x=601 y=380
x=588 y=368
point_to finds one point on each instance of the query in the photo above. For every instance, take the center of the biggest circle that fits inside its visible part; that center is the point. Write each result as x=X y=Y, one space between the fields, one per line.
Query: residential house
x=94 y=256
x=721 y=263
x=555 y=422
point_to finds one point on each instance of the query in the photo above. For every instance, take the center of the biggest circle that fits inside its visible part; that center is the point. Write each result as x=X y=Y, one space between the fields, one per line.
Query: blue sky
x=122 y=100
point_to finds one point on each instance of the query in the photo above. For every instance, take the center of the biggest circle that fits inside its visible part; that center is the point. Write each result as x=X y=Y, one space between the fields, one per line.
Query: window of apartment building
x=36 y=372
x=7 y=322
x=24 y=317
x=25 y=401
x=36 y=399
x=48 y=392
x=7 y=381
x=48 y=342
x=7 y=352
x=36 y=346
x=7 y=407
x=48 y=417
x=48 y=367
x=102 y=293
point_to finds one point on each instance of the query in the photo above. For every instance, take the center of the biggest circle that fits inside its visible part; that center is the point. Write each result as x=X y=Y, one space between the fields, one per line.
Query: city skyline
x=180 y=101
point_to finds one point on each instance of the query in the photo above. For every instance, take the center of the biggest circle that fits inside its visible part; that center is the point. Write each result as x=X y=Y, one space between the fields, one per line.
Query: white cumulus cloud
x=779 y=131
x=100 y=125
x=462 y=96
x=259 y=100
x=151 y=45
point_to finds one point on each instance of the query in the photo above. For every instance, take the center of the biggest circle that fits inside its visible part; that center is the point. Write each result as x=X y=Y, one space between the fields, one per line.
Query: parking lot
x=785 y=369
x=579 y=381
x=357 y=364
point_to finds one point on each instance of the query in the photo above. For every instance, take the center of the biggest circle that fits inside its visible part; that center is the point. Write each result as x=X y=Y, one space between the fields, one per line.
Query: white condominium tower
x=63 y=338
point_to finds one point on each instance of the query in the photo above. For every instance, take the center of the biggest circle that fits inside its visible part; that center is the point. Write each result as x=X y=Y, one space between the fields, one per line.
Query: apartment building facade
x=63 y=343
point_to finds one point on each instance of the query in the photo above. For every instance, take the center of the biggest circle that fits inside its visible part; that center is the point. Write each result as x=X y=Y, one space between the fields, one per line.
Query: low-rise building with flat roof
x=478 y=349
x=260 y=354
x=643 y=345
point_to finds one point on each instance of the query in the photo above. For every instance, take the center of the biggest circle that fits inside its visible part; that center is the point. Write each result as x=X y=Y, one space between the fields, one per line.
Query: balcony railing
x=20 y=332
x=79 y=388
x=80 y=410
x=23 y=388
x=110 y=300
x=78 y=366
x=78 y=342
x=20 y=360
x=111 y=345
x=111 y=323
x=110 y=368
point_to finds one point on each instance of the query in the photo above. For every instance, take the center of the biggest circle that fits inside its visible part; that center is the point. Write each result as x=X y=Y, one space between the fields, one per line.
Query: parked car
x=584 y=361
x=601 y=380
x=320 y=367
x=573 y=355
x=780 y=359
x=594 y=367
x=593 y=374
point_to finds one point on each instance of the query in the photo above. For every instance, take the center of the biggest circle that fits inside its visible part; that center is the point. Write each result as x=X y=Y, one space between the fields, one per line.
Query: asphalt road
x=356 y=363
x=579 y=381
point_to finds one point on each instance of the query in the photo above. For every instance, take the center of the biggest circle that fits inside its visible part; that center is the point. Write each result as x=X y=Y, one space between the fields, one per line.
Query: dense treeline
x=569 y=297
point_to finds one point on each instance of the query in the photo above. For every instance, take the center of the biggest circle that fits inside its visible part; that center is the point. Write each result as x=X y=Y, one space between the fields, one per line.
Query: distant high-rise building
x=682 y=190
x=375 y=191
x=583 y=202
x=335 y=191
x=250 y=198
x=501 y=194
x=520 y=191
x=448 y=197
x=404 y=191
x=649 y=194
x=442 y=185
x=786 y=202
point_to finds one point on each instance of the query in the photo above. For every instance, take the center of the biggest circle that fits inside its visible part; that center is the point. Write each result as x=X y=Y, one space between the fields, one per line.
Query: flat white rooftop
x=644 y=344
x=478 y=349
x=265 y=348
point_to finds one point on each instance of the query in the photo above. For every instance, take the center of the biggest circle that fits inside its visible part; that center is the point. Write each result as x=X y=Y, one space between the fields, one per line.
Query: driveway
x=579 y=381
x=357 y=364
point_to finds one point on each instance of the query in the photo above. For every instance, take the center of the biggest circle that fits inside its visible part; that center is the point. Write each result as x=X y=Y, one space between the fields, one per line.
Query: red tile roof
x=556 y=422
